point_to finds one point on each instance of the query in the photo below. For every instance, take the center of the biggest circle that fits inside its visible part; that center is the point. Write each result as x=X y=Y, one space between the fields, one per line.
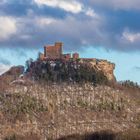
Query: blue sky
x=96 y=28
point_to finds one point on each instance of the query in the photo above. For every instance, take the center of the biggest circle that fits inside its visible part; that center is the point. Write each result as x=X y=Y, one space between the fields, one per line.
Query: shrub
x=16 y=105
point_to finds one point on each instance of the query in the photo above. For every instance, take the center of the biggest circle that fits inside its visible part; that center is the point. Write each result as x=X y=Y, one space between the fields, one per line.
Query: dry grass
x=70 y=109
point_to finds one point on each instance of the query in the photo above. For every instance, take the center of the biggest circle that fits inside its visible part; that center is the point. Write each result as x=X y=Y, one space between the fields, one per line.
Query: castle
x=56 y=52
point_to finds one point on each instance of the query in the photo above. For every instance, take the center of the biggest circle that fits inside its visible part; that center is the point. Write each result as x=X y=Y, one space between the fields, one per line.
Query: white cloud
x=4 y=68
x=130 y=36
x=43 y=21
x=90 y=12
x=7 y=27
x=70 y=6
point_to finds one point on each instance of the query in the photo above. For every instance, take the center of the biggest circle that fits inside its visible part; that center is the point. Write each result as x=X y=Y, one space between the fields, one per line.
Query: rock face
x=15 y=71
x=107 y=68
x=12 y=74
x=102 y=65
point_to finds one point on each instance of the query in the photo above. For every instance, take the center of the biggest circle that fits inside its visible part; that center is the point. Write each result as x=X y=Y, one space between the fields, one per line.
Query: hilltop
x=55 y=66
x=58 y=95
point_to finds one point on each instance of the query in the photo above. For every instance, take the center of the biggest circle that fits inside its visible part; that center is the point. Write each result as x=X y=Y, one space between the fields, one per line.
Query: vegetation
x=130 y=84
x=101 y=135
x=15 y=106
x=64 y=108
x=70 y=71
x=106 y=135
x=48 y=106
x=27 y=137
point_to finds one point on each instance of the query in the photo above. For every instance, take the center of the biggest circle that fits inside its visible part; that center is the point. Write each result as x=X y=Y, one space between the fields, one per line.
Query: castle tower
x=53 y=52
x=58 y=48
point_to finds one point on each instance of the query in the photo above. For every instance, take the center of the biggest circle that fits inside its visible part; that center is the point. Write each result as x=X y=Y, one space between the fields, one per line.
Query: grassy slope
x=68 y=109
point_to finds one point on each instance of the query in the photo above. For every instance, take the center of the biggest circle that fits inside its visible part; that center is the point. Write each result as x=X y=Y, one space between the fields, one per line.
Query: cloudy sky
x=106 y=29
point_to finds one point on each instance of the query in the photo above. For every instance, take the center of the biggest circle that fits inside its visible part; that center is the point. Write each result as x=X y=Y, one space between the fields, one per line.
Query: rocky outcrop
x=12 y=74
x=102 y=65
x=14 y=71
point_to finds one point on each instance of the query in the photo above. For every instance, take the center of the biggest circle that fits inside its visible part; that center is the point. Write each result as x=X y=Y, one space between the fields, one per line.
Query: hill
x=47 y=110
x=59 y=99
